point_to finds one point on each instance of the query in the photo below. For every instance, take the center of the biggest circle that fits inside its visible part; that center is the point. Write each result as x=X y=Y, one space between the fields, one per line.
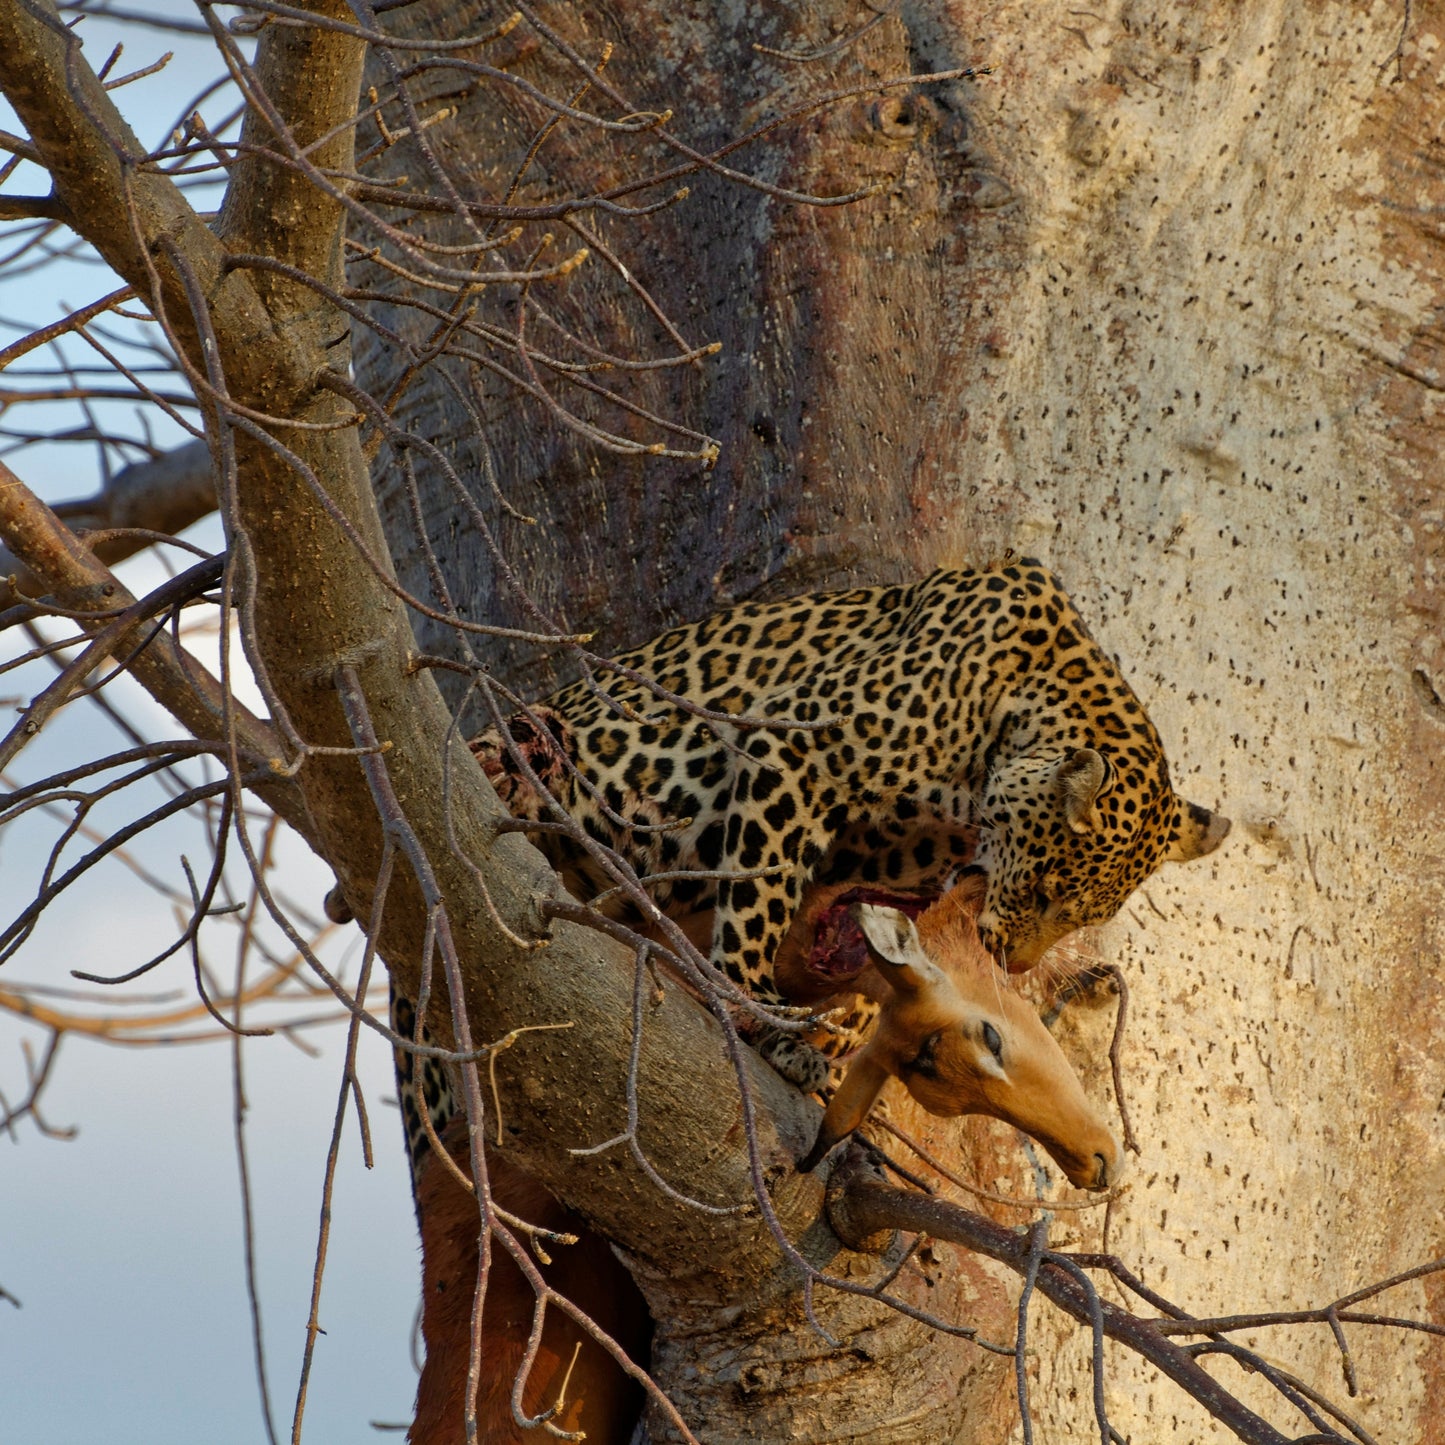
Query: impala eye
x=994 y=1042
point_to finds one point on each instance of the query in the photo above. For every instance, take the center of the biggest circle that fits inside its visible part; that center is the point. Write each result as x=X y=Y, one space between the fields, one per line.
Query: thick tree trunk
x=1160 y=302
x=1218 y=409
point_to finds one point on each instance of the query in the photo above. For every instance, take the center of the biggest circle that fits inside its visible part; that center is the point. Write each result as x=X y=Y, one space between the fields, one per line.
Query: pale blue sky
x=124 y=1243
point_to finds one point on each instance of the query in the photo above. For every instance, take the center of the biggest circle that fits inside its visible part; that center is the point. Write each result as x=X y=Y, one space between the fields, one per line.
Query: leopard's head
x=1067 y=836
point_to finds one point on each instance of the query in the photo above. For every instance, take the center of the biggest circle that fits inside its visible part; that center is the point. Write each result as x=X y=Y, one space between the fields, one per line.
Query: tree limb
x=161 y=495
x=860 y=1205
x=295 y=491
x=33 y=208
x=52 y=553
x=95 y=164
x=167 y=494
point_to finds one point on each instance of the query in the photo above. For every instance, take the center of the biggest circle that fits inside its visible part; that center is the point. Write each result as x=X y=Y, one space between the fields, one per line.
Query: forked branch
x=861 y=1206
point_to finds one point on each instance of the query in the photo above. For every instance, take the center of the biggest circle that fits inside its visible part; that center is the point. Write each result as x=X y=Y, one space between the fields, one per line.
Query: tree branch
x=312 y=612
x=140 y=503
x=51 y=552
x=166 y=494
x=95 y=164
x=34 y=208
x=860 y=1205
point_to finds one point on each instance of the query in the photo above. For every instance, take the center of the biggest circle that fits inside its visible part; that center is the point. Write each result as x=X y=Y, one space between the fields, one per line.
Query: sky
x=124 y=1244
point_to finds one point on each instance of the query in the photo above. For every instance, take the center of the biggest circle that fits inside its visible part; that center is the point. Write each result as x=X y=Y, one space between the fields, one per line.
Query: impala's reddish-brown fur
x=961 y=1041
x=600 y=1398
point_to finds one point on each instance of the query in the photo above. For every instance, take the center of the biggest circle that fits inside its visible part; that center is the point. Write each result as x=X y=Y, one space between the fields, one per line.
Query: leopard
x=907 y=734
x=772 y=736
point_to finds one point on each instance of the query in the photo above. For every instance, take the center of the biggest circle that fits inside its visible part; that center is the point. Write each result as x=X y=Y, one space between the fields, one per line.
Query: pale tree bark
x=1160 y=302
x=1218 y=409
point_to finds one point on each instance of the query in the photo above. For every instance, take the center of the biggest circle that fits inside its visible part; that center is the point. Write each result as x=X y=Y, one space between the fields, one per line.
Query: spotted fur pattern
x=968 y=701
x=967 y=719
x=421 y=1083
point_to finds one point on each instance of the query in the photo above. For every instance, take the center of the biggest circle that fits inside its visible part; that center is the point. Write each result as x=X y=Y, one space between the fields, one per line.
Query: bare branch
x=860 y=1205
x=179 y=683
x=30 y=208
x=165 y=494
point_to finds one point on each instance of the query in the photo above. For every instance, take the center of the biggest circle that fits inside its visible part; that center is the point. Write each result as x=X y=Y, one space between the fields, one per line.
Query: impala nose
x=1108 y=1173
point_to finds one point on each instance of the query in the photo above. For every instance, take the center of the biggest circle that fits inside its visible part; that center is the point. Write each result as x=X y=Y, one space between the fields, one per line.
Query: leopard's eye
x=1049 y=895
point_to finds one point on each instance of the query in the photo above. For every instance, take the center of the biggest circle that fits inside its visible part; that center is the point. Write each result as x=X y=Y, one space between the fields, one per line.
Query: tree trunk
x=1158 y=301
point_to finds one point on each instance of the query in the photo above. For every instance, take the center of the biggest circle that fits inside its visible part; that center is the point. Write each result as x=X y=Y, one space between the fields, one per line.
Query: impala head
x=1072 y=834
x=962 y=1043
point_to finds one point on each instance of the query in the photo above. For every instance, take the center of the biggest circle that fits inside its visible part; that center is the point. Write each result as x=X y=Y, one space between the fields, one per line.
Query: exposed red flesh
x=839 y=951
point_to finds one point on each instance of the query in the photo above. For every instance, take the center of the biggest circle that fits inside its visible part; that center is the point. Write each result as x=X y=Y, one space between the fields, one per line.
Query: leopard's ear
x=1196 y=832
x=1079 y=778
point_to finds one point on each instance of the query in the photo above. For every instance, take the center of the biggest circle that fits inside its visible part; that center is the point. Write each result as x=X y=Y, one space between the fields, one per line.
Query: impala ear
x=1079 y=779
x=894 y=943
x=847 y=1109
x=1200 y=832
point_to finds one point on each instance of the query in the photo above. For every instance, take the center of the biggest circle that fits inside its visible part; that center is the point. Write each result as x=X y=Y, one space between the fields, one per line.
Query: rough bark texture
x=1237 y=287
x=1161 y=302
x=833 y=394
x=319 y=623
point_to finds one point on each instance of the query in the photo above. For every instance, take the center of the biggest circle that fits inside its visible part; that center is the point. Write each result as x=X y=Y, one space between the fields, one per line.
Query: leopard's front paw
x=797 y=1061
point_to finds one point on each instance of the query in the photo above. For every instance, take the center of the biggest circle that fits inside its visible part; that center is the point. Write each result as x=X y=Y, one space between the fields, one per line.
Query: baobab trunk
x=1159 y=301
